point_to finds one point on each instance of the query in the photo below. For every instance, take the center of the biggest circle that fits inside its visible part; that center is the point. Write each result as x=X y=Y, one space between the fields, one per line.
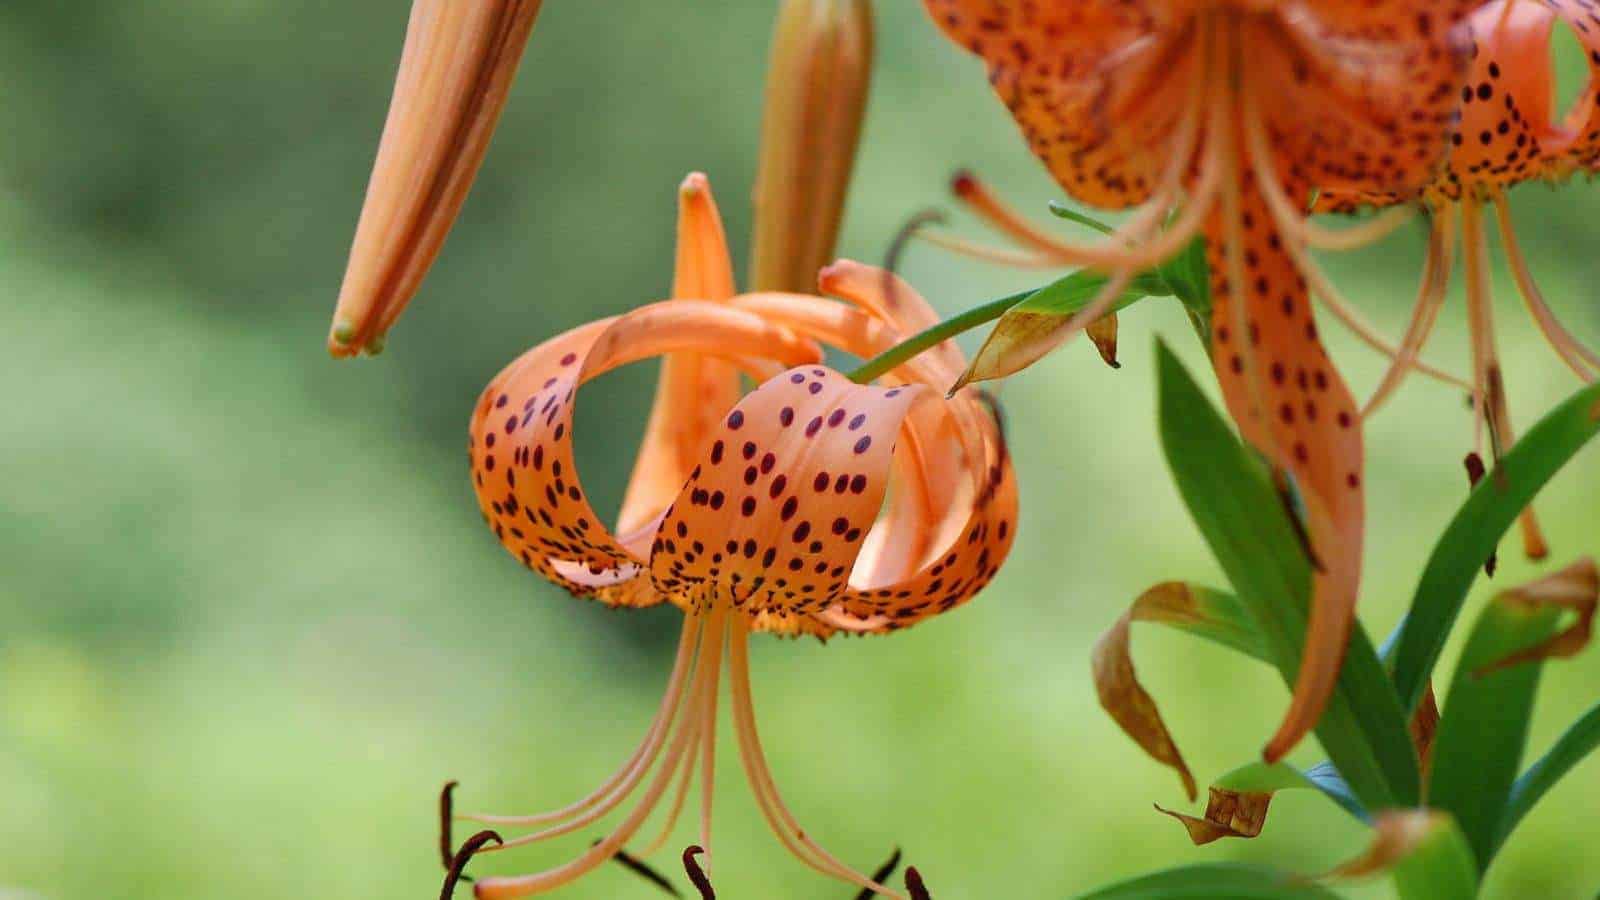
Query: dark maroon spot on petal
x=748 y=507
x=786 y=416
x=815 y=387
x=858 y=484
x=569 y=359
x=736 y=419
x=859 y=420
x=863 y=444
x=716 y=453
x=835 y=417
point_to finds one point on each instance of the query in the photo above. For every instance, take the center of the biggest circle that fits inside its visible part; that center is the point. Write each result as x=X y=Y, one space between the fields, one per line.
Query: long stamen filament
x=1000 y=256
x=1572 y=351
x=771 y=803
x=652 y=741
x=687 y=728
x=1356 y=236
x=1289 y=220
x=1491 y=413
x=1431 y=294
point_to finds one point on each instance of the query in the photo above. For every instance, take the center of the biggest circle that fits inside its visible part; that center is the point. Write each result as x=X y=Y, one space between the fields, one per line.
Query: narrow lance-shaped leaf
x=1425 y=853
x=1472 y=535
x=1231 y=496
x=1211 y=881
x=1582 y=739
x=1484 y=731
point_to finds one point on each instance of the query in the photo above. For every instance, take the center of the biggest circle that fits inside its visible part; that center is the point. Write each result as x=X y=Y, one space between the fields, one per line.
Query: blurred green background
x=251 y=620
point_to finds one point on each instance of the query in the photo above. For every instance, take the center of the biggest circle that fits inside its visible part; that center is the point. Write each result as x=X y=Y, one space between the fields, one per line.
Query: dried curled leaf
x=1229 y=813
x=1103 y=332
x=1424 y=727
x=1575 y=589
x=1046 y=320
x=1201 y=611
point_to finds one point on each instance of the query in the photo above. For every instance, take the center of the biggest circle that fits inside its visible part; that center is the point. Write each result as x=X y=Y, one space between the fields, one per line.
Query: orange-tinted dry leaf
x=1104 y=334
x=1575 y=588
x=1424 y=726
x=1396 y=834
x=1117 y=683
x=1228 y=814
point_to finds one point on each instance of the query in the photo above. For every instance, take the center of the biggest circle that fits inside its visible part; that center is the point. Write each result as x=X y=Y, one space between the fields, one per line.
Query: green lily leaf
x=1476 y=530
x=1230 y=494
x=1213 y=881
x=1484 y=730
x=1570 y=749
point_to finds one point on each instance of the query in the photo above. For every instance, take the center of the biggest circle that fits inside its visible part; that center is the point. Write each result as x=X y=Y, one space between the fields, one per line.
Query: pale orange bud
x=459 y=60
x=821 y=66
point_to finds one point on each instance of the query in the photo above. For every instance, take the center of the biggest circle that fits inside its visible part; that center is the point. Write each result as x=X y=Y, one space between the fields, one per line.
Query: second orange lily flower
x=1220 y=117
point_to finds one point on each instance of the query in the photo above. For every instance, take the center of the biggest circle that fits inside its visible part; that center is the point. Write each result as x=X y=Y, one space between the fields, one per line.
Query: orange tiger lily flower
x=1509 y=135
x=455 y=72
x=759 y=513
x=1217 y=115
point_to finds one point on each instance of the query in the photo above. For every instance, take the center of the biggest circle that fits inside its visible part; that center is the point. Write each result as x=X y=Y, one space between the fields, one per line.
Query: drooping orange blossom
x=752 y=514
x=1217 y=115
x=1509 y=134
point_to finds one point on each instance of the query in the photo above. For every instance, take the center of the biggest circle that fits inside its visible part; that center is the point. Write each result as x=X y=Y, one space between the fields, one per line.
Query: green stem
x=894 y=356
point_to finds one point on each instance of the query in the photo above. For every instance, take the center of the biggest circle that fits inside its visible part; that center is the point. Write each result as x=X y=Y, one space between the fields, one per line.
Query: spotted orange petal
x=693 y=392
x=1366 y=93
x=520 y=446
x=1506 y=129
x=1051 y=64
x=1293 y=406
x=775 y=513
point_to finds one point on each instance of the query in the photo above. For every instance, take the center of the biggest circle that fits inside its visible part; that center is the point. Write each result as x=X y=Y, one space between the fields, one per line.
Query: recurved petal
x=965 y=544
x=1292 y=405
x=694 y=391
x=1581 y=122
x=455 y=72
x=521 y=448
x=774 y=515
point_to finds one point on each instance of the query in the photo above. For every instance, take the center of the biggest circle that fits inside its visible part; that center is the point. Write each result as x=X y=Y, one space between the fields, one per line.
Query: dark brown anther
x=643 y=870
x=914 y=885
x=463 y=856
x=882 y=875
x=1475 y=473
x=446 y=816
x=697 y=876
